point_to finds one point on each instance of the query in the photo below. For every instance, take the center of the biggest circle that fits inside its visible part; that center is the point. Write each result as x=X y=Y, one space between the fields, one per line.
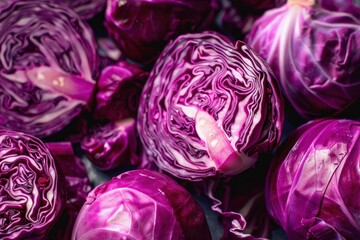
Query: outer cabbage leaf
x=48 y=62
x=141 y=204
x=312 y=188
x=112 y=144
x=118 y=91
x=77 y=186
x=240 y=202
x=142 y=28
x=315 y=55
x=32 y=196
x=209 y=108
x=349 y=6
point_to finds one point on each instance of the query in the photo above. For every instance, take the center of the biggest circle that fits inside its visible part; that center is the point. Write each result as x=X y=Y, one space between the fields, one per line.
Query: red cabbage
x=48 y=63
x=32 y=194
x=315 y=55
x=112 y=144
x=209 y=107
x=118 y=91
x=313 y=184
x=141 y=204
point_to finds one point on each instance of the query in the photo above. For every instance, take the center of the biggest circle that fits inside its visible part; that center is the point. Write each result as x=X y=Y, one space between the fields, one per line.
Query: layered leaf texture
x=209 y=107
x=48 y=62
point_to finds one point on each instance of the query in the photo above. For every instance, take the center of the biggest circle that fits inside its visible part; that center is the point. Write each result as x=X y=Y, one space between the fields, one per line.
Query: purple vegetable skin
x=112 y=144
x=209 y=108
x=315 y=56
x=313 y=184
x=118 y=91
x=32 y=195
x=141 y=204
x=142 y=28
x=48 y=63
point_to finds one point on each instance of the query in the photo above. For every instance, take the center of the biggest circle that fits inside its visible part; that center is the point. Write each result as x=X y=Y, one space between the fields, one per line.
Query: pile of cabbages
x=179 y=119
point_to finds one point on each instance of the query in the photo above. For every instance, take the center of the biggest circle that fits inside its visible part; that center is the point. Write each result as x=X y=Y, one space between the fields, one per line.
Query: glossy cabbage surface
x=209 y=107
x=142 y=28
x=141 y=204
x=48 y=63
x=313 y=184
x=315 y=56
x=31 y=192
x=118 y=91
x=111 y=144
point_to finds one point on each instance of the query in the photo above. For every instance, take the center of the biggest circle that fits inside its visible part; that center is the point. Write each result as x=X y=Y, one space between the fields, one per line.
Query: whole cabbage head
x=142 y=28
x=141 y=204
x=48 y=63
x=209 y=107
x=32 y=194
x=312 y=188
x=314 y=53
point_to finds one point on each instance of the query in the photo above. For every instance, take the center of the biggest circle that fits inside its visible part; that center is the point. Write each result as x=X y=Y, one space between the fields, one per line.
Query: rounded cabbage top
x=48 y=62
x=209 y=107
x=31 y=195
x=317 y=171
x=314 y=54
x=141 y=204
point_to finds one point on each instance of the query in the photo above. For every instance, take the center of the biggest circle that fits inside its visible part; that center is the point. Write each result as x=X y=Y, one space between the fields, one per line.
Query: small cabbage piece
x=77 y=186
x=32 y=195
x=118 y=91
x=48 y=63
x=142 y=28
x=141 y=204
x=315 y=56
x=313 y=184
x=112 y=144
x=109 y=52
x=209 y=107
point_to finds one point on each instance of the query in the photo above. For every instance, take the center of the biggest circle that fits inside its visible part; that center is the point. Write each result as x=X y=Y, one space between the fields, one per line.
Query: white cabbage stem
x=306 y=3
x=226 y=158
